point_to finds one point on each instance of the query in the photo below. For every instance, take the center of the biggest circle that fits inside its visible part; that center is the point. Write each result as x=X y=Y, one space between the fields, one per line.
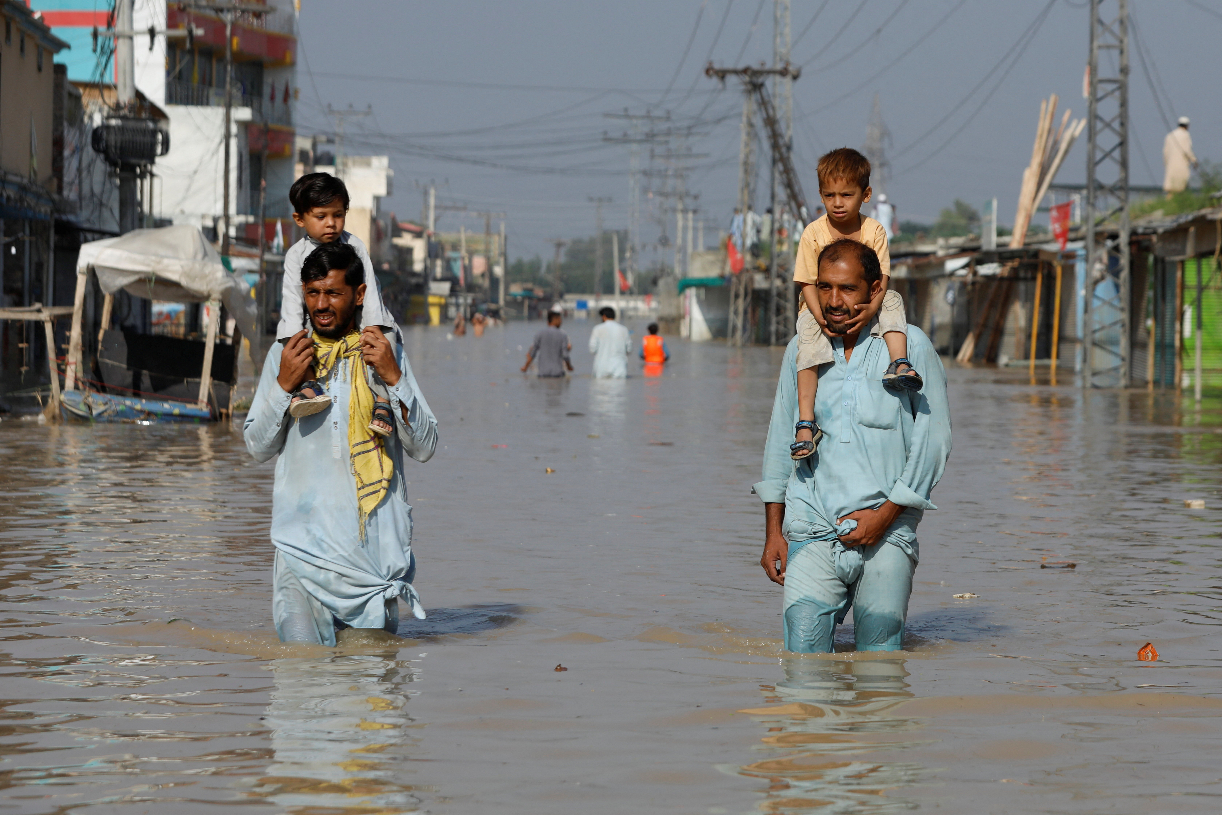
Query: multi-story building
x=29 y=186
x=186 y=78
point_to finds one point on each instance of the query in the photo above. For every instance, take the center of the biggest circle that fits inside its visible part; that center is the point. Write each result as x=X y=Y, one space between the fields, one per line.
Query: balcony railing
x=185 y=93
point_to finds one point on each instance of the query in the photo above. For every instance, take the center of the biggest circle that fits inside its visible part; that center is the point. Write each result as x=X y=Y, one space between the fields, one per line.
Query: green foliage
x=961 y=218
x=1189 y=200
x=576 y=266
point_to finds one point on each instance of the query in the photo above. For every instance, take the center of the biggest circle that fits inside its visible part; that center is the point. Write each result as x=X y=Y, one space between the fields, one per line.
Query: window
x=8 y=31
x=40 y=58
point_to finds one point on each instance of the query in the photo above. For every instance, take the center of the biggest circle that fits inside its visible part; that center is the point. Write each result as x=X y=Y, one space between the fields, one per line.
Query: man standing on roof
x=1178 y=158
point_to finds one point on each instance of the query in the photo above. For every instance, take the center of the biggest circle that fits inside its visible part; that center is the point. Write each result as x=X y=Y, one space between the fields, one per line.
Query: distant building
x=188 y=83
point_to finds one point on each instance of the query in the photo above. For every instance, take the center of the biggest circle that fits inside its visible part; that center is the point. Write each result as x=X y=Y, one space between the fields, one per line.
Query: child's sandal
x=908 y=380
x=804 y=449
x=308 y=399
x=382 y=413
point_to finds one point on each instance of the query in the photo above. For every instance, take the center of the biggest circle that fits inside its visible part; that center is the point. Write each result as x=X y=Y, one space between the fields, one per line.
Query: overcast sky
x=502 y=103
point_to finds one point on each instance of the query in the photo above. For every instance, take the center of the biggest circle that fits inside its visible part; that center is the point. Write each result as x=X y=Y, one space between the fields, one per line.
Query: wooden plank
x=205 y=379
x=1056 y=326
x=49 y=330
x=74 y=337
x=34 y=312
x=999 y=324
x=1035 y=321
x=108 y=305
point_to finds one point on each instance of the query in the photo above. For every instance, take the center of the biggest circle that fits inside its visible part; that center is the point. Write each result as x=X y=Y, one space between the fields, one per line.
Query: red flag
x=736 y=260
x=623 y=281
x=1059 y=218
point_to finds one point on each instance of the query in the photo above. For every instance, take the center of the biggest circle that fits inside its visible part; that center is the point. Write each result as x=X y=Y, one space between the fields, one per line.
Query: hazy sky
x=502 y=103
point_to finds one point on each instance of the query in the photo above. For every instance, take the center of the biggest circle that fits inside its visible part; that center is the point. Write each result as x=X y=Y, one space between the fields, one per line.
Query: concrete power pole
x=340 y=116
x=1107 y=198
x=125 y=87
x=557 y=284
x=598 y=241
x=783 y=311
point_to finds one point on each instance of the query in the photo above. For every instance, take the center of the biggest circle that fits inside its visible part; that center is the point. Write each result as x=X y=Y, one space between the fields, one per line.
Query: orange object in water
x=1147 y=653
x=651 y=347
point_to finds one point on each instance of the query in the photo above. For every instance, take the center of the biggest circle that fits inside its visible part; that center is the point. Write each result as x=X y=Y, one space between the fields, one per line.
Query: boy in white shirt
x=320 y=206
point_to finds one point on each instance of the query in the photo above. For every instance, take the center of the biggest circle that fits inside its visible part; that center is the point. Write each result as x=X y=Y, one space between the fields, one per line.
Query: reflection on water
x=341 y=736
x=827 y=716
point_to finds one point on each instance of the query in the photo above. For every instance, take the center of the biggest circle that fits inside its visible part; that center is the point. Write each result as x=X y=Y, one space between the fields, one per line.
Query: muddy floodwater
x=607 y=527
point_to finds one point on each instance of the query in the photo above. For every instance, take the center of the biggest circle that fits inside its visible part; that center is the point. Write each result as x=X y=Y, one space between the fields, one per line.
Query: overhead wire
x=1012 y=54
x=1145 y=70
x=806 y=28
x=839 y=31
x=686 y=50
x=708 y=58
x=856 y=49
x=854 y=90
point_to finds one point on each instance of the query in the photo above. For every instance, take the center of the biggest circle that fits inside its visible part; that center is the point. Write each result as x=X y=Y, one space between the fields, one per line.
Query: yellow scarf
x=371 y=465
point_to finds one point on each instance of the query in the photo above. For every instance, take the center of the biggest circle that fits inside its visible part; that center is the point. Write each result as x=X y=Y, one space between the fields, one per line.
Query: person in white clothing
x=884 y=213
x=1178 y=158
x=610 y=343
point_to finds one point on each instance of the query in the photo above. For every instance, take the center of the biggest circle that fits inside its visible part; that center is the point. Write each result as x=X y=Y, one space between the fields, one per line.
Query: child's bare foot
x=902 y=376
x=383 y=421
x=806 y=439
x=308 y=399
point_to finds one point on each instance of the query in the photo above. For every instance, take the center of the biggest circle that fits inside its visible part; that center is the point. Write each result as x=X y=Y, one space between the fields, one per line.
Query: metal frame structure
x=1106 y=362
x=782 y=304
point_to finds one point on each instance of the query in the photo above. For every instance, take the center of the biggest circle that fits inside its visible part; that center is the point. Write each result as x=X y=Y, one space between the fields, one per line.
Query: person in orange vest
x=654 y=351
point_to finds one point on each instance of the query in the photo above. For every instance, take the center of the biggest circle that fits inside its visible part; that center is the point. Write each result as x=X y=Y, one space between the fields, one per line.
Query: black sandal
x=908 y=380
x=308 y=399
x=804 y=449
x=382 y=413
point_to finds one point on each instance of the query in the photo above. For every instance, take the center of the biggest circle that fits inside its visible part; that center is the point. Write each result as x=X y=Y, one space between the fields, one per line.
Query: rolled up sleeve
x=418 y=432
x=267 y=421
x=930 y=441
x=778 y=466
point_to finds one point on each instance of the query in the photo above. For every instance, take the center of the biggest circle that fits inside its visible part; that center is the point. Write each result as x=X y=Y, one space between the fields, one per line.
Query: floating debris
x=559 y=668
x=1147 y=653
x=1059 y=564
x=967 y=595
x=549 y=470
x=1194 y=503
x=592 y=436
x=499 y=446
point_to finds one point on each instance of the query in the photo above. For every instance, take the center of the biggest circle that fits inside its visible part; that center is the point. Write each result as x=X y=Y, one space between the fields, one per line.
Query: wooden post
x=49 y=330
x=205 y=379
x=1035 y=320
x=74 y=337
x=108 y=305
x=1179 y=327
x=1056 y=327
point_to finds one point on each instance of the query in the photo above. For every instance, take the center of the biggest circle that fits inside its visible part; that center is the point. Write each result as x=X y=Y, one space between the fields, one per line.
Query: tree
x=961 y=218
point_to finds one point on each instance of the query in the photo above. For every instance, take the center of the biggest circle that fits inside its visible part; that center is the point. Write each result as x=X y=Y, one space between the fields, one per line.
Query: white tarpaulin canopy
x=173 y=263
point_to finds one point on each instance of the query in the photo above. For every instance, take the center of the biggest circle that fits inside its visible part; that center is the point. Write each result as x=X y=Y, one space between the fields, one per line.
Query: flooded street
x=141 y=673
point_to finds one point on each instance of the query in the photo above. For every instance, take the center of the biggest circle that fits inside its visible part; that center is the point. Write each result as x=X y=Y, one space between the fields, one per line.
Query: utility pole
x=340 y=116
x=227 y=12
x=875 y=148
x=615 y=273
x=598 y=241
x=557 y=286
x=784 y=174
x=639 y=136
x=500 y=293
x=1107 y=198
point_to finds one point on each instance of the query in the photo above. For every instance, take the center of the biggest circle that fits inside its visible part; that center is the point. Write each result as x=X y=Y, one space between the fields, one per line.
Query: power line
x=750 y=33
x=494 y=86
x=861 y=45
x=806 y=28
x=853 y=91
x=686 y=51
x=716 y=38
x=1023 y=39
x=842 y=29
x=1145 y=71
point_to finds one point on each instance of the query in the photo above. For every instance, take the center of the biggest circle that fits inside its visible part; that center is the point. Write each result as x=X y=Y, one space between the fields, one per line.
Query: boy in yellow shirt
x=844 y=185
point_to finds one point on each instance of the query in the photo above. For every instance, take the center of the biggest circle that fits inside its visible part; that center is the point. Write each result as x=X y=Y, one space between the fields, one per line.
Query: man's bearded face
x=841 y=288
x=332 y=304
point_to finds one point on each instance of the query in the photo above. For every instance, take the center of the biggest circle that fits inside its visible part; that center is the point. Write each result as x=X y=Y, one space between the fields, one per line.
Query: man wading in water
x=841 y=524
x=341 y=523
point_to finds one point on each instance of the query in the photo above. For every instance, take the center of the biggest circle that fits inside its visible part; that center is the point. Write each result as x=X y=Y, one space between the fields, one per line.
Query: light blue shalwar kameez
x=325 y=574
x=877 y=445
